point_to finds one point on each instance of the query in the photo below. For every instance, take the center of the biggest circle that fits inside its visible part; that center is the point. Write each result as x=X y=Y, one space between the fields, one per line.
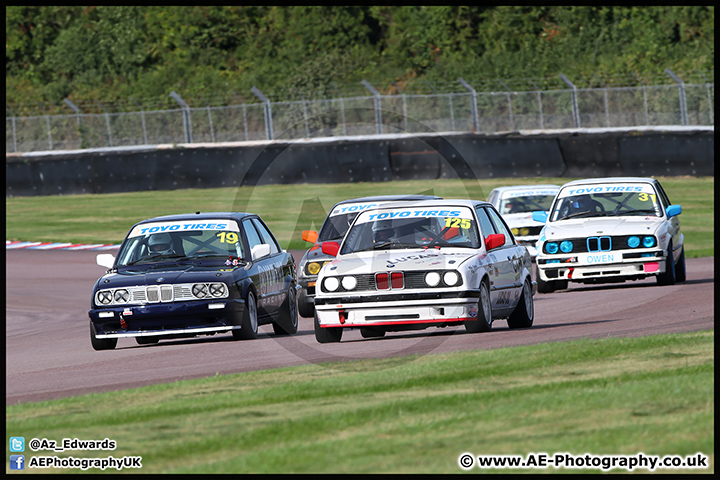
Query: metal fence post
x=142 y=117
x=710 y=105
x=268 y=112
x=81 y=131
x=14 y=133
x=476 y=117
x=378 y=113
x=576 y=109
x=186 y=116
x=683 y=100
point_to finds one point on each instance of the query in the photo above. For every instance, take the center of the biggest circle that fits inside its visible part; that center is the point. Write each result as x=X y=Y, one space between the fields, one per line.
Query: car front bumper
x=398 y=310
x=200 y=317
x=618 y=267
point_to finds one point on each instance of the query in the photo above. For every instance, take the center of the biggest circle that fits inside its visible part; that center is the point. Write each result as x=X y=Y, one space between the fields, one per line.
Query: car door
x=275 y=268
x=499 y=271
x=509 y=261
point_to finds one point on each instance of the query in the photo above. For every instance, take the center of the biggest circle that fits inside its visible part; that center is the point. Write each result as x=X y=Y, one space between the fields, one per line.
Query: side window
x=486 y=226
x=266 y=236
x=493 y=196
x=501 y=227
x=253 y=237
x=663 y=196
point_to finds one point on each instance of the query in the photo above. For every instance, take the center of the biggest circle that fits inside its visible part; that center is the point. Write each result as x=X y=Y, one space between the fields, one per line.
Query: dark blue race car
x=194 y=274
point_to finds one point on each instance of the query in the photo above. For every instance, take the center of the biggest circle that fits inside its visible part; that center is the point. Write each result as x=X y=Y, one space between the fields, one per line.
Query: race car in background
x=333 y=229
x=410 y=266
x=181 y=276
x=517 y=203
x=606 y=230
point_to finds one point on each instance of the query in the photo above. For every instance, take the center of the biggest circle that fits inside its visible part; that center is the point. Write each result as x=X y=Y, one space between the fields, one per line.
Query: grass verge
x=617 y=396
x=290 y=209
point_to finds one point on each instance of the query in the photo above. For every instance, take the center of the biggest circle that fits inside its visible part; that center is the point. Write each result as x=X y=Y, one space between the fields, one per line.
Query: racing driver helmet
x=160 y=243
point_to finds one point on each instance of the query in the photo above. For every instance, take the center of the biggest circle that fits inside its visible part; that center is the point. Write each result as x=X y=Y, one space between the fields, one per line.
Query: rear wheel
x=524 y=313
x=484 y=314
x=287 y=323
x=327 y=335
x=249 y=322
x=101 y=343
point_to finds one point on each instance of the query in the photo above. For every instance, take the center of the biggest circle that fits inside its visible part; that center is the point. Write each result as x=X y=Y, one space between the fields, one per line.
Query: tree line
x=116 y=55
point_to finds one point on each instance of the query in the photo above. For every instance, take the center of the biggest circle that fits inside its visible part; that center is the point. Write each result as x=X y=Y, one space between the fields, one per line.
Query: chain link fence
x=680 y=103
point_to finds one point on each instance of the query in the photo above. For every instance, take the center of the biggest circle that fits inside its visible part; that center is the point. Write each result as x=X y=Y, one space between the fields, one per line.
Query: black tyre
x=542 y=285
x=327 y=335
x=484 y=315
x=668 y=277
x=372 y=332
x=101 y=343
x=249 y=322
x=306 y=309
x=287 y=323
x=680 y=267
x=524 y=313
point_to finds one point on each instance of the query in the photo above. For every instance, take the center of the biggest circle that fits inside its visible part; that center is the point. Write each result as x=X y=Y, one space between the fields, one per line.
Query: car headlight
x=104 y=297
x=121 y=296
x=200 y=290
x=218 y=290
x=566 y=246
x=633 y=242
x=648 y=241
x=331 y=284
x=349 y=282
x=551 y=247
x=451 y=278
x=432 y=279
x=313 y=268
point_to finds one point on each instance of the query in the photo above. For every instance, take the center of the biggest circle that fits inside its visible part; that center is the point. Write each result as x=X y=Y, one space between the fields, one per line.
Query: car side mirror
x=540 y=216
x=259 y=251
x=673 y=210
x=106 y=260
x=495 y=240
x=331 y=248
x=310 y=236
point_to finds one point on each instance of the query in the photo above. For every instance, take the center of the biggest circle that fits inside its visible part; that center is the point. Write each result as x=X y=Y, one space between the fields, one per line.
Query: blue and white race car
x=195 y=274
x=516 y=204
x=607 y=230
x=409 y=266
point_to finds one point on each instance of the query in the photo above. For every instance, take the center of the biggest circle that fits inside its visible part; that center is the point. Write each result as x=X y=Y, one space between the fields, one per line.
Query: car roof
x=388 y=198
x=443 y=202
x=512 y=188
x=199 y=216
x=588 y=181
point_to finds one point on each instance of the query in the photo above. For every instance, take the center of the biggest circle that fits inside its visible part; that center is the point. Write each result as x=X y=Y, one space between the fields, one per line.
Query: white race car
x=410 y=266
x=516 y=204
x=607 y=230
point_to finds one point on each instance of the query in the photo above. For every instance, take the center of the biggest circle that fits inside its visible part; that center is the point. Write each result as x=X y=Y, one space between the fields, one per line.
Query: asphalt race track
x=49 y=355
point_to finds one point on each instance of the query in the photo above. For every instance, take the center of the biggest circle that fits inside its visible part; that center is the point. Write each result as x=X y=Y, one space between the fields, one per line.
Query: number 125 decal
x=463 y=223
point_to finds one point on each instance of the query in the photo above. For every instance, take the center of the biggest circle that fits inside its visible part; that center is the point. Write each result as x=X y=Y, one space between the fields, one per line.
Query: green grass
x=617 y=396
x=289 y=209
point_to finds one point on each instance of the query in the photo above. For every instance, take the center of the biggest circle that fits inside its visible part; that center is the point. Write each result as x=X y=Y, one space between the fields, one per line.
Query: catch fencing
x=679 y=103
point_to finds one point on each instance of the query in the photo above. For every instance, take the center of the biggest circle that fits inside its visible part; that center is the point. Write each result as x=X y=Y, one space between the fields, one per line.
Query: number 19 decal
x=228 y=237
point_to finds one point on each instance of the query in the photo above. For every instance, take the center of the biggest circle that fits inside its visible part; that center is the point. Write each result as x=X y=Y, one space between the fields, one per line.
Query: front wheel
x=101 y=343
x=524 y=313
x=306 y=309
x=249 y=322
x=668 y=277
x=484 y=314
x=326 y=335
x=680 y=267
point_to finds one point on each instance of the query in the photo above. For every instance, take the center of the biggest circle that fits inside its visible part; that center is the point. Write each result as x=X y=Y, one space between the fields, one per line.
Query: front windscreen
x=526 y=201
x=606 y=200
x=158 y=241
x=412 y=227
